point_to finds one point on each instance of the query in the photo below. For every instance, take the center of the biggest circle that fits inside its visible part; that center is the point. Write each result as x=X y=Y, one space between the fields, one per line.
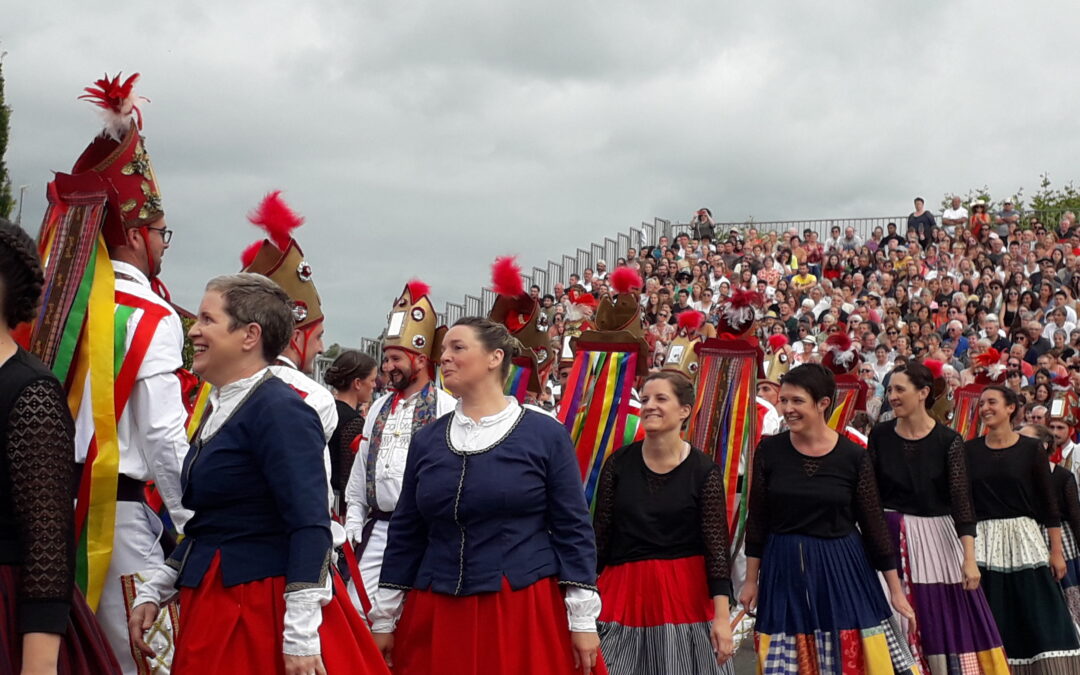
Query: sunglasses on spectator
x=892 y=332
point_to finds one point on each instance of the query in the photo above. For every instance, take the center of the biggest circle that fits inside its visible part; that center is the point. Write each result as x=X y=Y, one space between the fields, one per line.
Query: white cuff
x=386 y=604
x=582 y=608
x=159 y=588
x=303 y=616
x=354 y=523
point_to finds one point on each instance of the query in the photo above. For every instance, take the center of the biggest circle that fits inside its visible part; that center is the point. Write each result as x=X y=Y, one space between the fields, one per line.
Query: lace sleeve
x=757 y=520
x=871 y=518
x=1070 y=509
x=963 y=508
x=603 y=516
x=714 y=533
x=352 y=430
x=40 y=456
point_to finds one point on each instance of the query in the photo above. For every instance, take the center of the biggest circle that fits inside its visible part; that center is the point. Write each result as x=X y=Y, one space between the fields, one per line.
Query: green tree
x=7 y=201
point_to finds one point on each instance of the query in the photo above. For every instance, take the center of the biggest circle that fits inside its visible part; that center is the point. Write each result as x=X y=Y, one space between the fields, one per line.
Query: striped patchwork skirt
x=1027 y=603
x=1071 y=583
x=656 y=619
x=821 y=610
x=955 y=631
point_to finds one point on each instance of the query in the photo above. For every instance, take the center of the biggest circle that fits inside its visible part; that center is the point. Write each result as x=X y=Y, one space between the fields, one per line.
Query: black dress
x=37 y=545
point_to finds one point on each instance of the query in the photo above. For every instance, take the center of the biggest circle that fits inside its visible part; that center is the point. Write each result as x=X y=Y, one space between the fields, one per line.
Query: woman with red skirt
x=491 y=537
x=662 y=543
x=256 y=590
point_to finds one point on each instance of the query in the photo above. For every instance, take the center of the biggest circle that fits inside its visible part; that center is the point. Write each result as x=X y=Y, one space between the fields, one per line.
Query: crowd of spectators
x=947 y=287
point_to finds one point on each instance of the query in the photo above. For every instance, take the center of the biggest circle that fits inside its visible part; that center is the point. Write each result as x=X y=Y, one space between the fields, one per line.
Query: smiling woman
x=820 y=603
x=254 y=564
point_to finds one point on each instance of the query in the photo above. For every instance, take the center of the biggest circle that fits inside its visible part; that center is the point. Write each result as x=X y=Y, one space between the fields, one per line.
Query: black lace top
x=927 y=477
x=350 y=425
x=825 y=497
x=1064 y=484
x=643 y=515
x=1011 y=482
x=37 y=453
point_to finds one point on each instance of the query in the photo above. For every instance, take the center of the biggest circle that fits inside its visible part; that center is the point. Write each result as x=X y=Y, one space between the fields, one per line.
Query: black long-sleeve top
x=1064 y=485
x=927 y=477
x=1011 y=482
x=37 y=453
x=350 y=425
x=643 y=515
x=793 y=493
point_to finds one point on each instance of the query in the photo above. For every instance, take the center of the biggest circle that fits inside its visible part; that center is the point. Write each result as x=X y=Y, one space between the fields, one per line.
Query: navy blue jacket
x=516 y=510
x=258 y=489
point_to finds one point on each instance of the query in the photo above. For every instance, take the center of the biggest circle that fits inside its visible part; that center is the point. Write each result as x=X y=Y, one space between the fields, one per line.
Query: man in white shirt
x=414 y=401
x=1057 y=322
x=954 y=216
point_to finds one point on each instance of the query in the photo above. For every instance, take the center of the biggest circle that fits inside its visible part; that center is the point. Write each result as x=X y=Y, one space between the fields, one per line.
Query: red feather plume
x=114 y=96
x=740 y=299
x=277 y=218
x=1062 y=380
x=936 y=368
x=840 y=341
x=586 y=299
x=777 y=342
x=625 y=280
x=248 y=256
x=506 y=277
x=691 y=320
x=988 y=358
x=418 y=289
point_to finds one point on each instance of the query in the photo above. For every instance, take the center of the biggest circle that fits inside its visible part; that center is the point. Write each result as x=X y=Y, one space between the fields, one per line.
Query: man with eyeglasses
x=135 y=434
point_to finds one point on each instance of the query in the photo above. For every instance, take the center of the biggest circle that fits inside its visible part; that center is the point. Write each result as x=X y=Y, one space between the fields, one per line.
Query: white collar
x=130 y=270
x=224 y=401
x=286 y=361
x=509 y=412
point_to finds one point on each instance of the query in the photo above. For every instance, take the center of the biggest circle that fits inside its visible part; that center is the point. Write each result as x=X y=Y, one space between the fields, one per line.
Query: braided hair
x=21 y=277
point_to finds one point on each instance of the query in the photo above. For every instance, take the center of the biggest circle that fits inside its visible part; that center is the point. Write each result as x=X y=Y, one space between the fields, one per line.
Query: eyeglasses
x=166 y=233
x=892 y=332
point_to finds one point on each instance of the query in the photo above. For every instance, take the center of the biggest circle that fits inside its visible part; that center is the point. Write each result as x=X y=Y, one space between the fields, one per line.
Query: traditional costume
x=520 y=313
x=926 y=494
x=492 y=542
x=115 y=343
x=375 y=483
x=778 y=360
x=280 y=259
x=842 y=358
x=599 y=407
x=1013 y=494
x=965 y=414
x=254 y=570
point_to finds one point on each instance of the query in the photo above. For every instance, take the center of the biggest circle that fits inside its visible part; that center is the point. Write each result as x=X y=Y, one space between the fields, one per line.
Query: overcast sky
x=426 y=137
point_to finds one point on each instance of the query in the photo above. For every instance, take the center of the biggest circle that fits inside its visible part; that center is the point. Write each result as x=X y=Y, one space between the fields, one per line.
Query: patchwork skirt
x=656 y=619
x=955 y=632
x=1026 y=602
x=1070 y=585
x=821 y=611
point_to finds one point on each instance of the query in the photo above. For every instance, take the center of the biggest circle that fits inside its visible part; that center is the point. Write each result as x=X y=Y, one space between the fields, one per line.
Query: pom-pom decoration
x=777 y=342
x=842 y=349
x=625 y=280
x=739 y=310
x=988 y=358
x=277 y=218
x=936 y=368
x=690 y=321
x=506 y=277
x=418 y=289
x=118 y=103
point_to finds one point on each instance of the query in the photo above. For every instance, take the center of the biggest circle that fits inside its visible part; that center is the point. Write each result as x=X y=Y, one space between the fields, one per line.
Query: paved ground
x=745 y=660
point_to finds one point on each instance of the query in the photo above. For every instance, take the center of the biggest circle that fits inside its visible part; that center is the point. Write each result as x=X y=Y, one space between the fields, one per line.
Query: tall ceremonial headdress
x=110 y=190
x=941 y=409
x=413 y=323
x=279 y=257
x=965 y=419
x=778 y=360
x=725 y=423
x=842 y=358
x=598 y=405
x=519 y=312
x=681 y=354
x=579 y=318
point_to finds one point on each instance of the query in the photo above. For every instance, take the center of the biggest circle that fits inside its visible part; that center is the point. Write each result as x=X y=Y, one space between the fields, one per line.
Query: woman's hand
x=748 y=596
x=1057 y=565
x=304 y=665
x=972 y=575
x=722 y=642
x=385 y=643
x=903 y=608
x=142 y=618
x=586 y=648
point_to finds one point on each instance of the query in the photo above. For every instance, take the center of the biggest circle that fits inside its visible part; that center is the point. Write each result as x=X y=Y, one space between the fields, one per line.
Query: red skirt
x=656 y=592
x=84 y=649
x=239 y=629
x=523 y=632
